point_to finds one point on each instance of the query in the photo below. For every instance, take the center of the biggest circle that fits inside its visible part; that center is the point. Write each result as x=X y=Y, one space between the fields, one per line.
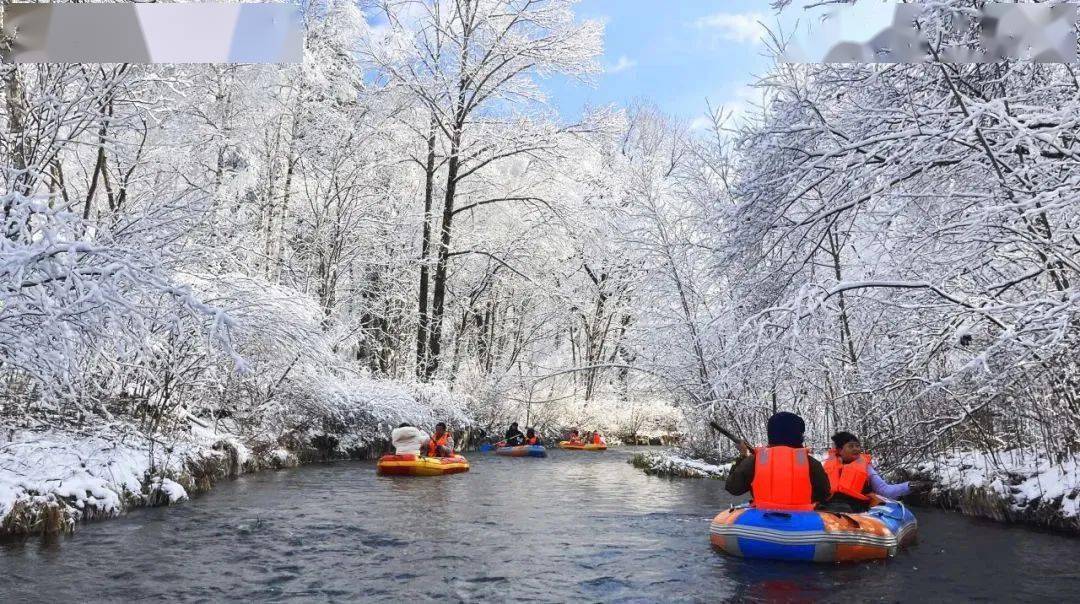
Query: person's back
x=514 y=437
x=407 y=439
x=782 y=476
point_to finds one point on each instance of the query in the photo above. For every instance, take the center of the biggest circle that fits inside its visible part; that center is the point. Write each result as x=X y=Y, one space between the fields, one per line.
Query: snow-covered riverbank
x=670 y=463
x=50 y=480
x=1008 y=486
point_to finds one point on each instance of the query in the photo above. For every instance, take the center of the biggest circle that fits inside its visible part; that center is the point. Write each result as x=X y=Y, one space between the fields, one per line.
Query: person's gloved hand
x=920 y=486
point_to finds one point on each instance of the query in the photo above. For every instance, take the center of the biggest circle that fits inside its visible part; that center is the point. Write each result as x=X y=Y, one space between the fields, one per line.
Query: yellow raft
x=415 y=465
x=565 y=444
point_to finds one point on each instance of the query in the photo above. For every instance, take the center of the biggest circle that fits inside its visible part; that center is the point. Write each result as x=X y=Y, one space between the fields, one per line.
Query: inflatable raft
x=522 y=451
x=815 y=536
x=565 y=444
x=414 y=465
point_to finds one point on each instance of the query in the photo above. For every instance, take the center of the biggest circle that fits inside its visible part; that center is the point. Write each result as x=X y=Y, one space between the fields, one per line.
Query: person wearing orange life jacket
x=782 y=476
x=441 y=444
x=852 y=477
x=597 y=439
x=575 y=437
x=531 y=439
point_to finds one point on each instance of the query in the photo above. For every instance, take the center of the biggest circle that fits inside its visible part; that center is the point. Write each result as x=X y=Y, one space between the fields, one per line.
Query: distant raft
x=414 y=465
x=815 y=536
x=565 y=444
x=522 y=451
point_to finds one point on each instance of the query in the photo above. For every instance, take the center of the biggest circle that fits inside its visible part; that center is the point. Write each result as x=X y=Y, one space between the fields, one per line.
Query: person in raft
x=531 y=439
x=440 y=444
x=575 y=437
x=782 y=476
x=514 y=437
x=597 y=439
x=408 y=439
x=852 y=477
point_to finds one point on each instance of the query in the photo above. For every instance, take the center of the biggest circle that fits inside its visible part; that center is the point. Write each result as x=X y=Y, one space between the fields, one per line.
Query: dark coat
x=514 y=437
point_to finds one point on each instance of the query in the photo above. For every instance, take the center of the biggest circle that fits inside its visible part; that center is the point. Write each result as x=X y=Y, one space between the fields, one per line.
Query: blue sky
x=678 y=53
x=675 y=53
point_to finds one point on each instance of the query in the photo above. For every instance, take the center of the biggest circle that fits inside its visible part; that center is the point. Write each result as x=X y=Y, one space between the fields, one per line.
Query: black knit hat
x=786 y=430
x=842 y=438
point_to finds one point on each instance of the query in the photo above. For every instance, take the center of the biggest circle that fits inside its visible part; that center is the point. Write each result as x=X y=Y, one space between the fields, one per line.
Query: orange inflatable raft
x=415 y=465
x=565 y=444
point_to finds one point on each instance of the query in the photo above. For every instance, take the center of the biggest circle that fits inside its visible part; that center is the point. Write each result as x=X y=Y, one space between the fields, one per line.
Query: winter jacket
x=408 y=440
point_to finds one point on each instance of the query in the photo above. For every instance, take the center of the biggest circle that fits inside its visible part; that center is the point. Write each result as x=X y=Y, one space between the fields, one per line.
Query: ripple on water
x=604 y=585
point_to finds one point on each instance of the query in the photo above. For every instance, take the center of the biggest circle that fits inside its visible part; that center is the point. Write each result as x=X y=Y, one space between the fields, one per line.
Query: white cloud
x=736 y=101
x=743 y=101
x=701 y=123
x=624 y=63
x=735 y=27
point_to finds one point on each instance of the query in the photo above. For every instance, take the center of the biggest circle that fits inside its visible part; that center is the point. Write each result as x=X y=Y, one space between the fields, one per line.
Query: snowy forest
x=402 y=228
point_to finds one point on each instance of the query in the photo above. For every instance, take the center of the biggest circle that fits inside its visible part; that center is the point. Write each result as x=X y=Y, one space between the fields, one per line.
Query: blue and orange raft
x=522 y=451
x=815 y=536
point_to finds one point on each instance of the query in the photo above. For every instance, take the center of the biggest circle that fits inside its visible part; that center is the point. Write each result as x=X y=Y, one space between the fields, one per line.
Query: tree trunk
x=438 y=298
x=845 y=326
x=16 y=111
x=278 y=260
x=423 y=329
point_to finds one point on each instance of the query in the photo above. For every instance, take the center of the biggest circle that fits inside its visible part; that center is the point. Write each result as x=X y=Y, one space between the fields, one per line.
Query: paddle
x=735 y=439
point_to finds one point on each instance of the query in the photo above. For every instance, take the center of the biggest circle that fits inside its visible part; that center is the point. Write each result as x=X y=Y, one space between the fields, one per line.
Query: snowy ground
x=101 y=474
x=670 y=463
x=1023 y=484
x=50 y=479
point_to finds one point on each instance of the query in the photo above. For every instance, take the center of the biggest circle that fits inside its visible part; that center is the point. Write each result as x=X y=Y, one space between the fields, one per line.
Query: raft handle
x=784 y=515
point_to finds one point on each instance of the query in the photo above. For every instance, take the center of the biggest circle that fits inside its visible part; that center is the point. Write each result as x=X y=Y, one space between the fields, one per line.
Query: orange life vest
x=533 y=441
x=848 y=478
x=434 y=444
x=596 y=439
x=782 y=479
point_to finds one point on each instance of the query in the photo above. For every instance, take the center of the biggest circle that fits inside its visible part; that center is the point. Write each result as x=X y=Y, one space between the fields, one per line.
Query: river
x=576 y=526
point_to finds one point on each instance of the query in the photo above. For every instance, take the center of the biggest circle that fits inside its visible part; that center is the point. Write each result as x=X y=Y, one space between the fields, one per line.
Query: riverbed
x=576 y=526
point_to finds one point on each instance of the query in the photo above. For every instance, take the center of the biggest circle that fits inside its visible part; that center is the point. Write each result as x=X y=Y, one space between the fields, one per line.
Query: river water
x=575 y=526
